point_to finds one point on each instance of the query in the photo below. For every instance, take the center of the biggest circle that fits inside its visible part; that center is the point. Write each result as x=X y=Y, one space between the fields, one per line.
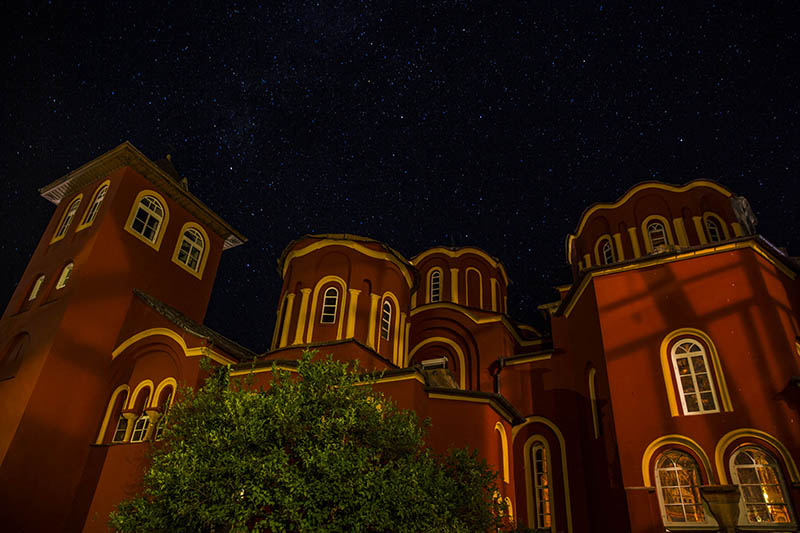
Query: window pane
x=703 y=383
x=708 y=401
x=779 y=513
x=698 y=364
x=674 y=513
x=683 y=366
x=688 y=384
x=747 y=476
x=768 y=476
x=668 y=478
x=691 y=403
x=671 y=496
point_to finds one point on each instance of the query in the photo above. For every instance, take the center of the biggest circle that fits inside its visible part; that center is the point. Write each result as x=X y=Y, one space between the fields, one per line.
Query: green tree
x=318 y=451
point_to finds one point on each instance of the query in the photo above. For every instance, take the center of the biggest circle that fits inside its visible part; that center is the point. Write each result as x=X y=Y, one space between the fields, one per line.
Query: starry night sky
x=492 y=124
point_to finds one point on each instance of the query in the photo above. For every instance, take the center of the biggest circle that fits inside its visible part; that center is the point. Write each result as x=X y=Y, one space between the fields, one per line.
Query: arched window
x=436 y=286
x=191 y=249
x=91 y=213
x=541 y=485
x=713 y=230
x=142 y=423
x=122 y=422
x=656 y=234
x=608 y=252
x=678 y=485
x=64 y=278
x=65 y=222
x=763 y=493
x=162 y=420
x=329 y=305
x=694 y=380
x=386 y=320
x=147 y=220
x=36 y=288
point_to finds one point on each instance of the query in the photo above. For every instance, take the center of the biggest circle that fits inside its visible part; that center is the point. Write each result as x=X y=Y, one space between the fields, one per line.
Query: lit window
x=678 y=485
x=608 y=253
x=147 y=220
x=91 y=213
x=386 y=320
x=65 y=222
x=694 y=380
x=122 y=422
x=713 y=231
x=436 y=285
x=541 y=485
x=763 y=493
x=64 y=278
x=657 y=234
x=329 y=304
x=142 y=423
x=36 y=288
x=191 y=249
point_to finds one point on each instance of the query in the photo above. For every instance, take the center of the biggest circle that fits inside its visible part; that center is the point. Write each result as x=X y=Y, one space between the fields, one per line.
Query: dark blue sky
x=492 y=124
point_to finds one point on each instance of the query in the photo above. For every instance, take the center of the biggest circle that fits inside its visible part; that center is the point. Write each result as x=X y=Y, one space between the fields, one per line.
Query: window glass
x=73 y=207
x=64 y=278
x=329 y=305
x=541 y=485
x=386 y=320
x=658 y=237
x=763 y=494
x=149 y=215
x=693 y=377
x=678 y=484
x=91 y=213
x=162 y=421
x=608 y=253
x=36 y=288
x=713 y=231
x=191 y=249
x=436 y=285
x=122 y=422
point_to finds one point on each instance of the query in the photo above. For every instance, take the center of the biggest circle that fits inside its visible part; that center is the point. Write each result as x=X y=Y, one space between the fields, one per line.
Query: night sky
x=492 y=124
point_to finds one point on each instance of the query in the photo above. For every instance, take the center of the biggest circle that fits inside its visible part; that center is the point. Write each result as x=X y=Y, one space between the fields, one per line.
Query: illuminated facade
x=664 y=389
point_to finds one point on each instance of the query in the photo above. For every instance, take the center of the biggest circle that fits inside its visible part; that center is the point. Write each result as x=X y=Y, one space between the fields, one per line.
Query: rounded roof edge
x=458 y=251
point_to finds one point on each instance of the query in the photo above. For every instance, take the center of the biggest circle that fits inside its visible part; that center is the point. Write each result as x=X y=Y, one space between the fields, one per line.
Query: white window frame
x=543 y=519
x=148 y=214
x=330 y=304
x=64 y=278
x=608 y=252
x=37 y=287
x=676 y=372
x=67 y=220
x=386 y=320
x=122 y=427
x=708 y=519
x=191 y=250
x=91 y=213
x=652 y=230
x=773 y=464
x=436 y=286
x=716 y=235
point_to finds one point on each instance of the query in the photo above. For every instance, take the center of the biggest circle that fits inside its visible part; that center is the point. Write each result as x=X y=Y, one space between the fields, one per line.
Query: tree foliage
x=317 y=451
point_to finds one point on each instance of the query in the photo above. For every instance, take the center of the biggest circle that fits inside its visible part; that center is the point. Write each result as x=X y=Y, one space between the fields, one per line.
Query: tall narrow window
x=147 y=220
x=713 y=231
x=91 y=213
x=162 y=421
x=657 y=234
x=694 y=380
x=64 y=278
x=436 y=286
x=122 y=422
x=763 y=492
x=329 y=305
x=541 y=485
x=386 y=320
x=608 y=253
x=67 y=220
x=191 y=249
x=141 y=424
x=678 y=485
x=36 y=288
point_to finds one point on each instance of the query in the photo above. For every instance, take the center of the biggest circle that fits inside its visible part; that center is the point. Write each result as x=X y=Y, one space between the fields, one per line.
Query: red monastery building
x=664 y=397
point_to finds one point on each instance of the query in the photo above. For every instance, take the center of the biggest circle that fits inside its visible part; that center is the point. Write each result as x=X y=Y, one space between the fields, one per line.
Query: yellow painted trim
x=429 y=287
x=601 y=239
x=666 y=440
x=340 y=309
x=478 y=320
x=76 y=200
x=587 y=260
x=301 y=317
x=637 y=252
x=648 y=245
x=700 y=229
x=728 y=438
x=358 y=247
x=723 y=226
x=106 y=418
x=661 y=186
x=526 y=450
x=667 y=370
x=203 y=256
x=389 y=379
x=563 y=444
x=162 y=229
x=466 y=286
x=737 y=229
x=395 y=321
x=83 y=224
x=458 y=253
x=504 y=442
x=166 y=382
x=620 y=249
x=188 y=352
x=262 y=370
x=494 y=285
x=373 y=314
x=505 y=304
x=400 y=355
x=141 y=386
x=287 y=320
x=593 y=402
x=462 y=360
x=405 y=344
x=414 y=298
x=531 y=359
x=680 y=231
x=510 y=510
x=724 y=247
x=351 y=313
x=454 y=285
